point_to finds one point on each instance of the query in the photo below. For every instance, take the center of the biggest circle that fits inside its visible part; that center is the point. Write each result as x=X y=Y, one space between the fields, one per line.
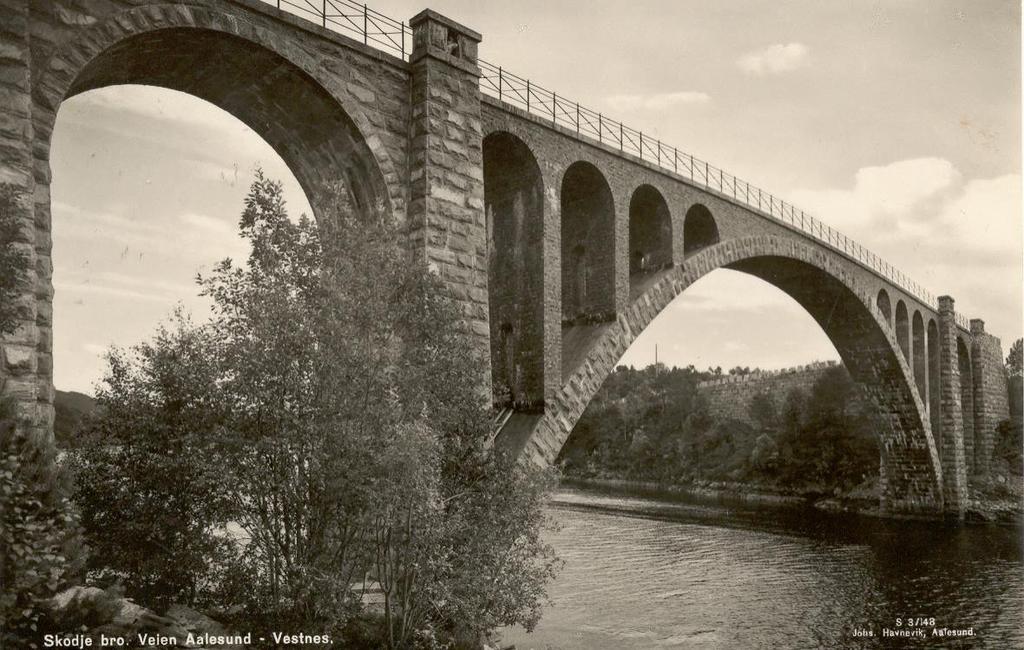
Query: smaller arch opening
x=588 y=246
x=699 y=229
x=903 y=329
x=514 y=206
x=884 y=306
x=650 y=233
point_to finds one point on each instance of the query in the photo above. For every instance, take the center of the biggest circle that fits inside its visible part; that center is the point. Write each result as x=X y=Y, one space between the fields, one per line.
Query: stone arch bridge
x=561 y=233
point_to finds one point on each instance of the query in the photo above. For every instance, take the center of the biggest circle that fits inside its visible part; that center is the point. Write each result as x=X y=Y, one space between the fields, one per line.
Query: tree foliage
x=330 y=415
x=150 y=472
x=1015 y=359
x=40 y=546
x=651 y=424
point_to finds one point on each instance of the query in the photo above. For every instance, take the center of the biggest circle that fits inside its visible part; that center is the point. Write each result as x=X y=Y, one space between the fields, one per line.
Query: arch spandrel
x=102 y=54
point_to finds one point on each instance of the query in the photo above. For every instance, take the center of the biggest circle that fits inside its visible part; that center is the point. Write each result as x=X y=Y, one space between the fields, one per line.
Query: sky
x=899 y=123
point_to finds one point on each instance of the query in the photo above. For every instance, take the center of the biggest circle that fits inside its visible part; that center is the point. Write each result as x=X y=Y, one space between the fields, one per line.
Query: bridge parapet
x=589 y=125
x=395 y=37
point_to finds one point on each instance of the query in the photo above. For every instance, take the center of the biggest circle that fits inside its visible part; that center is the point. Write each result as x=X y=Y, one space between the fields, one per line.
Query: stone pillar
x=552 y=285
x=950 y=420
x=25 y=376
x=447 y=220
x=622 y=252
x=991 y=399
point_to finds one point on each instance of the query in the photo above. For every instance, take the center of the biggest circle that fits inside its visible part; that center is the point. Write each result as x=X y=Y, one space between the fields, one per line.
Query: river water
x=644 y=573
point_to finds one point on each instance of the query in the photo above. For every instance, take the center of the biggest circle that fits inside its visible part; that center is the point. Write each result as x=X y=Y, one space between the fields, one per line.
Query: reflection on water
x=649 y=574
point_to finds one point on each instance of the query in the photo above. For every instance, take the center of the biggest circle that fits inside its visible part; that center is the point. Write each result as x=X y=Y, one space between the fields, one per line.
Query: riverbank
x=1000 y=503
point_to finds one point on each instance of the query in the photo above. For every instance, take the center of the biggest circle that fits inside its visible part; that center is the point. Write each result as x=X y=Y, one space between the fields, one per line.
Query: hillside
x=70 y=408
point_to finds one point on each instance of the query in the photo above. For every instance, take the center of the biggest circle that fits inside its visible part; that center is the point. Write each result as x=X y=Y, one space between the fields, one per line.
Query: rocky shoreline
x=862 y=500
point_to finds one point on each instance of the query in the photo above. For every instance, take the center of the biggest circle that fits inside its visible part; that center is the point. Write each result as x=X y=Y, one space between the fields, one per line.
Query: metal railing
x=395 y=37
x=593 y=125
x=350 y=18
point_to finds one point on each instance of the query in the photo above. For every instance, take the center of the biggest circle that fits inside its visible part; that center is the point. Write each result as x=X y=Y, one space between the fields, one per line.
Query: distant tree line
x=653 y=425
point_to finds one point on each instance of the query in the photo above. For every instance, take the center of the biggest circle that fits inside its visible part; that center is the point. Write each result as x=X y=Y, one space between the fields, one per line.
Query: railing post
x=501 y=83
x=527 y=95
x=759 y=198
x=659 y=153
x=323 y=13
x=600 y=128
x=366 y=25
x=675 y=160
x=707 y=174
x=577 y=118
x=622 y=140
x=641 y=145
x=402 y=27
x=554 y=102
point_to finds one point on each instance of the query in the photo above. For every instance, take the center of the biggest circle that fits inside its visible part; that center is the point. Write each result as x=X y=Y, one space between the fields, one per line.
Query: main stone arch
x=307 y=113
x=314 y=124
x=849 y=315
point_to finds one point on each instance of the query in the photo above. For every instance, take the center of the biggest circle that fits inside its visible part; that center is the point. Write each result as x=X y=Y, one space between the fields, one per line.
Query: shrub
x=40 y=546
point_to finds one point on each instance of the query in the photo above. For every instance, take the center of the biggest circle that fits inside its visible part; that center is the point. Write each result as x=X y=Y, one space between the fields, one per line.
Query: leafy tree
x=336 y=378
x=1015 y=359
x=826 y=441
x=40 y=545
x=150 y=481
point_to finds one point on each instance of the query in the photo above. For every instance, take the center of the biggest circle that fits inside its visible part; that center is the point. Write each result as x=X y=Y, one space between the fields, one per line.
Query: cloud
x=889 y=196
x=198 y=237
x=725 y=293
x=214 y=171
x=94 y=348
x=658 y=101
x=955 y=236
x=774 y=59
x=156 y=103
x=106 y=290
x=211 y=224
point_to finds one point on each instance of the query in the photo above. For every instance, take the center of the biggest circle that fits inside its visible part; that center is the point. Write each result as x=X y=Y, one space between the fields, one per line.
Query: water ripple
x=648 y=574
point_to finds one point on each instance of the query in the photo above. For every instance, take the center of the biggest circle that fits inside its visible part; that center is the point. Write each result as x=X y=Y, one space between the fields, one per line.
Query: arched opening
x=934 y=390
x=699 y=229
x=650 y=236
x=126 y=239
x=851 y=326
x=884 y=306
x=588 y=246
x=903 y=330
x=920 y=360
x=514 y=202
x=289 y=112
x=963 y=358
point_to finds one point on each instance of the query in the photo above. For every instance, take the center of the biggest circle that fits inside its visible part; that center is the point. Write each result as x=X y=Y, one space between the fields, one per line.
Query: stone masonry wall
x=950 y=416
x=731 y=396
x=991 y=397
x=339 y=111
x=447 y=220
